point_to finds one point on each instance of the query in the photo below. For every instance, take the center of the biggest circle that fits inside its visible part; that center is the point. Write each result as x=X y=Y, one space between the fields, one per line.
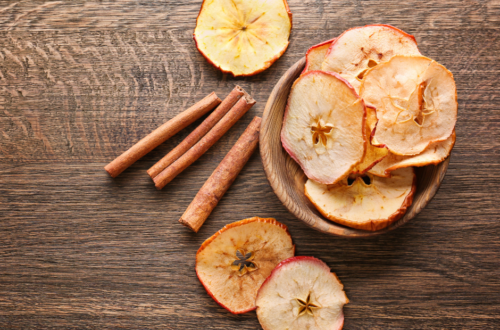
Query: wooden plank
x=82 y=81
x=90 y=96
x=114 y=249
x=310 y=14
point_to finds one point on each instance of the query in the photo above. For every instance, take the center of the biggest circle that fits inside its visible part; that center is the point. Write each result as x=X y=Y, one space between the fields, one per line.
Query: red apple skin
x=359 y=27
x=372 y=134
x=268 y=64
x=221 y=304
x=287 y=261
x=231 y=225
x=283 y=141
x=312 y=49
x=295 y=259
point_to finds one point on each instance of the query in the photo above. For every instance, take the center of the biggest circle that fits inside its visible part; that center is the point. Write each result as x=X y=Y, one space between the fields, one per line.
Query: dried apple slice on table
x=233 y=263
x=434 y=154
x=323 y=126
x=361 y=48
x=301 y=293
x=316 y=55
x=243 y=37
x=416 y=102
x=374 y=154
x=370 y=205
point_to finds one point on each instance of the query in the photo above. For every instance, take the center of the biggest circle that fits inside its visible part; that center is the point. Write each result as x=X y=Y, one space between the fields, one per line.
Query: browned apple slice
x=361 y=48
x=374 y=154
x=316 y=55
x=434 y=154
x=301 y=293
x=370 y=205
x=233 y=263
x=323 y=127
x=416 y=102
x=243 y=37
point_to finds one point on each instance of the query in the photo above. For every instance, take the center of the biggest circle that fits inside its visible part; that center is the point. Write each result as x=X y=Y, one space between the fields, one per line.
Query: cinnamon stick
x=236 y=112
x=161 y=134
x=221 y=179
x=198 y=133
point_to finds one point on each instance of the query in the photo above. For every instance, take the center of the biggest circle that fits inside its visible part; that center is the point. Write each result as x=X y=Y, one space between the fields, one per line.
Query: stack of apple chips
x=367 y=108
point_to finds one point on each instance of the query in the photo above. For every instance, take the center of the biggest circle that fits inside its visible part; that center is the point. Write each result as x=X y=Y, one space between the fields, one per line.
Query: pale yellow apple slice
x=371 y=205
x=316 y=55
x=361 y=48
x=374 y=154
x=233 y=263
x=416 y=102
x=301 y=293
x=323 y=126
x=243 y=37
x=434 y=154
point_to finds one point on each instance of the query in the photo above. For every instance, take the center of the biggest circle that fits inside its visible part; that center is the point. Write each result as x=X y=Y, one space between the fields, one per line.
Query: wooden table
x=81 y=82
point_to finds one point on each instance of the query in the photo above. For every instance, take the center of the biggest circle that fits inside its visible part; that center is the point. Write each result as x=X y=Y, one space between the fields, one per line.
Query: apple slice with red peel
x=316 y=55
x=301 y=293
x=243 y=37
x=323 y=126
x=370 y=205
x=374 y=154
x=233 y=263
x=416 y=102
x=361 y=48
x=434 y=154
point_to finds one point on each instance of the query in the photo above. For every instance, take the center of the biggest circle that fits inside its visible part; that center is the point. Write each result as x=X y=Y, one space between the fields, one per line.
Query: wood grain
x=81 y=81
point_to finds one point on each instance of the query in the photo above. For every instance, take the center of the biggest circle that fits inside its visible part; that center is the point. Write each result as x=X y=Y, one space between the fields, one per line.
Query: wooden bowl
x=287 y=178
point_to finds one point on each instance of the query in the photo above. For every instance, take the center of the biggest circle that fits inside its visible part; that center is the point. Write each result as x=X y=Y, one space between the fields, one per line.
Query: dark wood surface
x=82 y=81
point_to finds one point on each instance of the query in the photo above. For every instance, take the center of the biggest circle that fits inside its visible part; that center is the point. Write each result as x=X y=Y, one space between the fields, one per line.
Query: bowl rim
x=324 y=225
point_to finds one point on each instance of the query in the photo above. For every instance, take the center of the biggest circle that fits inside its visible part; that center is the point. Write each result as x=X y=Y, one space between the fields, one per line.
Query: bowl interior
x=287 y=178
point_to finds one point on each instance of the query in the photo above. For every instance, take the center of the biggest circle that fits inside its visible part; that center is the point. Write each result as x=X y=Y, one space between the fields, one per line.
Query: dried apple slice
x=243 y=37
x=374 y=154
x=233 y=263
x=301 y=293
x=361 y=48
x=316 y=55
x=416 y=102
x=434 y=154
x=370 y=205
x=323 y=127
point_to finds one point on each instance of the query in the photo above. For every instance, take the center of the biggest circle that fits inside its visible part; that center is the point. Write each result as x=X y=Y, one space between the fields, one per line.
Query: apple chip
x=361 y=48
x=434 y=154
x=316 y=55
x=301 y=293
x=323 y=126
x=243 y=37
x=233 y=263
x=368 y=203
x=374 y=154
x=416 y=102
